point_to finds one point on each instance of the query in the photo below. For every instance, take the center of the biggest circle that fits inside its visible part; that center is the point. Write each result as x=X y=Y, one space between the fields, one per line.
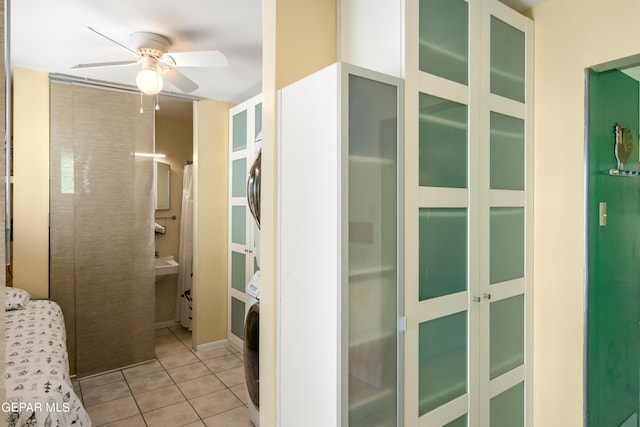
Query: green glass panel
x=239 y=224
x=444 y=35
x=238 y=271
x=507 y=60
x=258 y=120
x=507 y=152
x=458 y=422
x=240 y=131
x=373 y=253
x=239 y=178
x=613 y=382
x=443 y=252
x=442 y=356
x=237 y=317
x=506 y=335
x=443 y=142
x=507 y=244
x=507 y=408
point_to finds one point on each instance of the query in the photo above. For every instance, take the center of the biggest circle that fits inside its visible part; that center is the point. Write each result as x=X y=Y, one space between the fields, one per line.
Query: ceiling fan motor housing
x=150 y=43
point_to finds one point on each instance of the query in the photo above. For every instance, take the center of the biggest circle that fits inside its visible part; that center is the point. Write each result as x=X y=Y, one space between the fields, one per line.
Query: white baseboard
x=113 y=370
x=167 y=324
x=212 y=345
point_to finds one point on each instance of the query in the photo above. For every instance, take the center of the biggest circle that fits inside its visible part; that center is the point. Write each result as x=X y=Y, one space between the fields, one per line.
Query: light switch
x=603 y=214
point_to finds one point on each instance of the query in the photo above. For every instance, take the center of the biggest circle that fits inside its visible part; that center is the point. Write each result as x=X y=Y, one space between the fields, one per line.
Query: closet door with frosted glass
x=469 y=90
x=446 y=278
x=506 y=224
x=245 y=123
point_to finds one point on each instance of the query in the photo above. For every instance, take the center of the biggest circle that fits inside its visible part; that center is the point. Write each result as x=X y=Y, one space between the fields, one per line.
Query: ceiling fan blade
x=104 y=64
x=179 y=80
x=114 y=41
x=203 y=58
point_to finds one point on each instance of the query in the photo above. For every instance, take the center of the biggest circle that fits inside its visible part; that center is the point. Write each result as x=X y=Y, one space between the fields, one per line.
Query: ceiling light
x=149 y=80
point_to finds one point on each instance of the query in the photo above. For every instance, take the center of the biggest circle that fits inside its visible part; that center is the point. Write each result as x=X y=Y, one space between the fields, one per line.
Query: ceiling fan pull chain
x=141 y=109
x=157 y=104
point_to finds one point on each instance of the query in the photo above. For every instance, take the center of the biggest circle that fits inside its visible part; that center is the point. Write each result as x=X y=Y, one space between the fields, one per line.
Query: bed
x=39 y=391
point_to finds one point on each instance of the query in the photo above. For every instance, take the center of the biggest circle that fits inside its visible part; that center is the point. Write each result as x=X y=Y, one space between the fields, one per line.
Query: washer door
x=251 y=353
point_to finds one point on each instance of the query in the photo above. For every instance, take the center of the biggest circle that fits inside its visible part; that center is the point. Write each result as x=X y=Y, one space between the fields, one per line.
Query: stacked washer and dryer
x=251 y=348
x=252 y=303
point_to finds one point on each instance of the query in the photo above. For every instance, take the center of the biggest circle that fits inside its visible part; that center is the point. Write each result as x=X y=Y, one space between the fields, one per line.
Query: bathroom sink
x=166 y=265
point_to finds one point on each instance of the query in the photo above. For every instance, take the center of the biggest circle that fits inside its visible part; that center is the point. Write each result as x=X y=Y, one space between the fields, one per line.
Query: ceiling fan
x=157 y=64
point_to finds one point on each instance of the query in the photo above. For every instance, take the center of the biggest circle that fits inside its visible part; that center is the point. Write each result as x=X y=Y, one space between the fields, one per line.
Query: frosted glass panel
x=238 y=271
x=239 y=178
x=507 y=408
x=443 y=252
x=239 y=224
x=507 y=60
x=443 y=142
x=237 y=317
x=507 y=152
x=507 y=335
x=240 y=131
x=507 y=244
x=444 y=39
x=458 y=422
x=258 y=119
x=373 y=253
x=442 y=361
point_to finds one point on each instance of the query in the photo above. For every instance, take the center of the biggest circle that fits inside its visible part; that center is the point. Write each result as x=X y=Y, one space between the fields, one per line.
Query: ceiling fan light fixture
x=149 y=80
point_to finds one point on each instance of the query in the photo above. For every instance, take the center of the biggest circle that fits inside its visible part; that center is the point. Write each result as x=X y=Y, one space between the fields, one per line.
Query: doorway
x=613 y=246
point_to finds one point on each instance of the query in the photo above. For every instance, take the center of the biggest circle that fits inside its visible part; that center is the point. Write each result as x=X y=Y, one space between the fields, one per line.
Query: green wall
x=613 y=336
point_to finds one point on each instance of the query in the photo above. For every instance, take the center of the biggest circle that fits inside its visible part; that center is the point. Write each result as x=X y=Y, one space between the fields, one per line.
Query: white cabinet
x=340 y=188
x=245 y=124
x=468 y=160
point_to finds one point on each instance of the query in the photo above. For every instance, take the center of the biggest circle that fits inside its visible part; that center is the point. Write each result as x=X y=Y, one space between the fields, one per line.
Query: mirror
x=162 y=187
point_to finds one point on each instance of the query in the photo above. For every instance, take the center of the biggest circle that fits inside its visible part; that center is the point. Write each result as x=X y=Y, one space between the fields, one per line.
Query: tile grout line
x=230 y=351
x=134 y=399
x=208 y=369
x=178 y=387
x=174 y=381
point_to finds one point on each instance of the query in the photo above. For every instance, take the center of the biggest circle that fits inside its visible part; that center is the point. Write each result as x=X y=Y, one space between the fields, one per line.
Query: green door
x=613 y=337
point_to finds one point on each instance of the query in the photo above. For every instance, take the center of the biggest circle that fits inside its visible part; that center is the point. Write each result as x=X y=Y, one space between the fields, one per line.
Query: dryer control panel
x=253 y=288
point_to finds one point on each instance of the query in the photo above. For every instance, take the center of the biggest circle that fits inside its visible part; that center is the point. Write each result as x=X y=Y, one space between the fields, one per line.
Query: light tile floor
x=182 y=387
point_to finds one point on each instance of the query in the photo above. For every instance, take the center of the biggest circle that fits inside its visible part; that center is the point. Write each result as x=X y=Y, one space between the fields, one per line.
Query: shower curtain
x=185 y=254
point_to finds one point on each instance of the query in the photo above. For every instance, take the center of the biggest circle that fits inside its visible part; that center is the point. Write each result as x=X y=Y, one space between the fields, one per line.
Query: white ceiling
x=52 y=36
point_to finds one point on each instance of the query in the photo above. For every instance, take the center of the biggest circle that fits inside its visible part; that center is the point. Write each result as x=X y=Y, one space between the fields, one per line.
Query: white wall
x=308 y=291
x=570 y=36
x=370 y=34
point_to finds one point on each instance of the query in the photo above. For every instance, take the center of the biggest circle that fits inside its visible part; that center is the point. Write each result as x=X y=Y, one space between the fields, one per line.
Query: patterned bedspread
x=39 y=392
